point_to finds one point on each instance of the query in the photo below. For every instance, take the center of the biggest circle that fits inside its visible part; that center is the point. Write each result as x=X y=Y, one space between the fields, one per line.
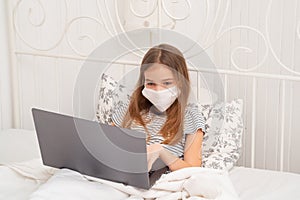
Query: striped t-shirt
x=193 y=121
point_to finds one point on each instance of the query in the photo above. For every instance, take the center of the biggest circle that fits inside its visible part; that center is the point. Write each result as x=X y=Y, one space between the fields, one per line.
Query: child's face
x=159 y=77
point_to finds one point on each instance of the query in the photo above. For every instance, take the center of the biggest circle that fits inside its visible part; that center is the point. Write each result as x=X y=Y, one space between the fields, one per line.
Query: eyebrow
x=167 y=79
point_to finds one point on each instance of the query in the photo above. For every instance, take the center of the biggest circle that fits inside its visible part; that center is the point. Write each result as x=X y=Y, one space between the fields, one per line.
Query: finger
x=149 y=167
x=150 y=163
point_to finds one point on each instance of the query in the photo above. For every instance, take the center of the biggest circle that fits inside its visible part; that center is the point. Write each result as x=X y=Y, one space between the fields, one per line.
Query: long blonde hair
x=172 y=131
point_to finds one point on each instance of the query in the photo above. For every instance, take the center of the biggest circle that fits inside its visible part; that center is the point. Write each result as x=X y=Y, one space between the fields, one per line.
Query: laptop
x=95 y=149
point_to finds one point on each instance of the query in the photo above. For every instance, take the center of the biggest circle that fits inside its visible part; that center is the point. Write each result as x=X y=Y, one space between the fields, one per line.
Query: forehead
x=158 y=72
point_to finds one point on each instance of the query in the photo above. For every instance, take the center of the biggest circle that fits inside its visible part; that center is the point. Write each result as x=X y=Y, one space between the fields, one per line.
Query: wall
x=254 y=45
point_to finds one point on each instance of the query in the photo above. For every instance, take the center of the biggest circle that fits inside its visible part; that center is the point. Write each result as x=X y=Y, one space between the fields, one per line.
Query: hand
x=153 y=152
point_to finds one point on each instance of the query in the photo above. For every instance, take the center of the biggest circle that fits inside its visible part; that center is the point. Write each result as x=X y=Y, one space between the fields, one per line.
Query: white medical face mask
x=161 y=99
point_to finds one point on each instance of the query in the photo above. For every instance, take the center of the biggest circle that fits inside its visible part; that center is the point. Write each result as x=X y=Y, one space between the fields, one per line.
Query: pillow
x=17 y=145
x=111 y=94
x=223 y=139
x=224 y=125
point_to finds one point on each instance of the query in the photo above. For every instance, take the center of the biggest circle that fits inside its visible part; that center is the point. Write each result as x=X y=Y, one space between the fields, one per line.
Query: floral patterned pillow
x=111 y=94
x=223 y=139
x=224 y=126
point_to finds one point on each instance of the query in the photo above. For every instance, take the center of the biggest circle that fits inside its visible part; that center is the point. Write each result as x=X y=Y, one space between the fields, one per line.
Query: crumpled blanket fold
x=189 y=183
x=32 y=169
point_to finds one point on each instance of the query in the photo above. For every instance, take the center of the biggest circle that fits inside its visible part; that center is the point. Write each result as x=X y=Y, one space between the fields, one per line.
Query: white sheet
x=261 y=184
x=189 y=183
x=14 y=186
x=68 y=184
x=249 y=183
x=19 y=180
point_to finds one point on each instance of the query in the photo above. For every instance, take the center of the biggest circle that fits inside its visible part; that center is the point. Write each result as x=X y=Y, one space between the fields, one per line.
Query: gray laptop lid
x=91 y=148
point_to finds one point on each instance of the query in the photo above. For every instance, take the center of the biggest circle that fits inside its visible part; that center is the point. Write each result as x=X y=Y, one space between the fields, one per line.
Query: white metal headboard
x=50 y=41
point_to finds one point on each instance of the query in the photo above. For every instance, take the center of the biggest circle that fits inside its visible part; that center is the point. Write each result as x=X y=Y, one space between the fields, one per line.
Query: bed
x=22 y=176
x=36 y=67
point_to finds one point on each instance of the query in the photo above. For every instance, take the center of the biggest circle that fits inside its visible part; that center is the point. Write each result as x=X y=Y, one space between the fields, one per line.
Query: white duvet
x=189 y=183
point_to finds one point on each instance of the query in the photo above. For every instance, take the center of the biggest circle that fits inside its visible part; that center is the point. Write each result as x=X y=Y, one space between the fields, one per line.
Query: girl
x=158 y=107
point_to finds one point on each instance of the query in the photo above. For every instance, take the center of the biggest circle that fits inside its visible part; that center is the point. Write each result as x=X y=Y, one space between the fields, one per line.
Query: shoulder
x=192 y=111
x=118 y=112
x=193 y=119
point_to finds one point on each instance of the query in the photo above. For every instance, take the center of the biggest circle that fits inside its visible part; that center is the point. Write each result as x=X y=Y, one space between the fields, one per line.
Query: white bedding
x=188 y=183
x=13 y=187
x=248 y=183
x=25 y=180
x=261 y=184
x=192 y=183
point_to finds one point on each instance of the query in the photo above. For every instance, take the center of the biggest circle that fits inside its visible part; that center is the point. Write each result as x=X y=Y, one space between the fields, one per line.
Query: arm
x=192 y=153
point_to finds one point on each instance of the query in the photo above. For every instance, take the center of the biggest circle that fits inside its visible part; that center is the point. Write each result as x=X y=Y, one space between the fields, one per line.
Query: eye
x=167 y=83
x=150 y=84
